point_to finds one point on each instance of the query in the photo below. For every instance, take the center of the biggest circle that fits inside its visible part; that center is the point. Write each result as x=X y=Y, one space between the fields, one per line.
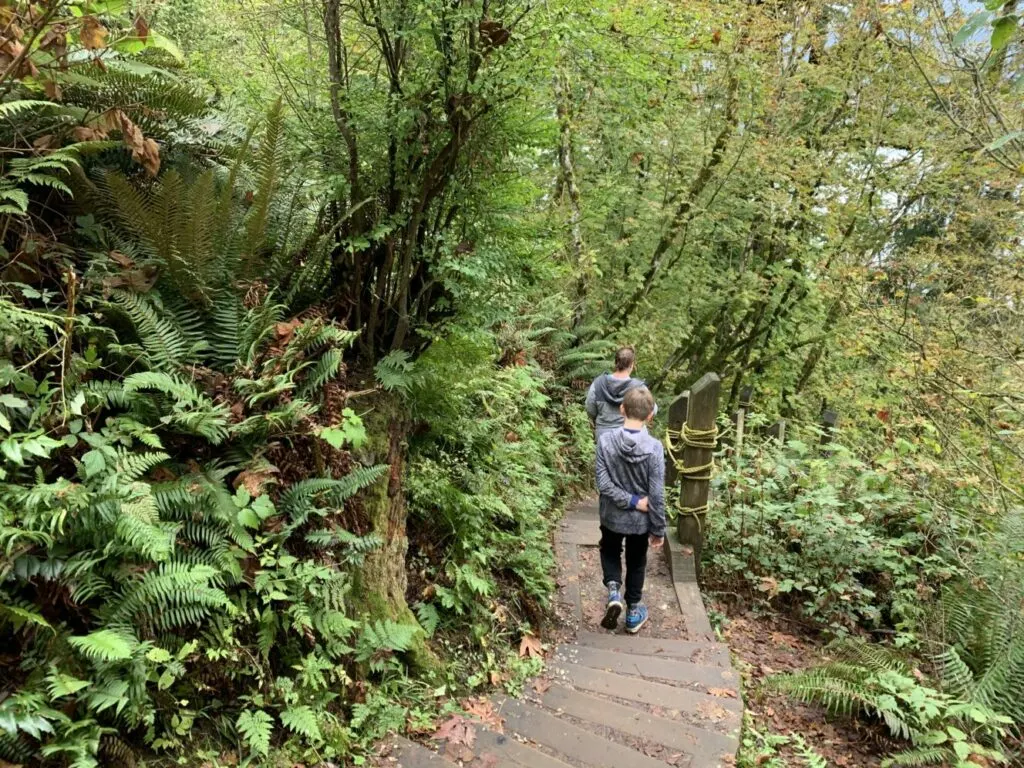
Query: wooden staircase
x=609 y=700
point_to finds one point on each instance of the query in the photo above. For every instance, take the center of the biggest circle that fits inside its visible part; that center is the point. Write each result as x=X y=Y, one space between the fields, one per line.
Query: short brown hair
x=624 y=358
x=638 y=403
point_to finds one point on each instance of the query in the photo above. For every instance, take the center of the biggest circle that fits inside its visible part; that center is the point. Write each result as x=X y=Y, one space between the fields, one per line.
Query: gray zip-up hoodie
x=604 y=398
x=631 y=465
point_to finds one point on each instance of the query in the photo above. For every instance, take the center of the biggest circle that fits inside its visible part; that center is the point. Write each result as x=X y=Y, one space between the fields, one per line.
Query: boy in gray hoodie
x=631 y=481
x=604 y=397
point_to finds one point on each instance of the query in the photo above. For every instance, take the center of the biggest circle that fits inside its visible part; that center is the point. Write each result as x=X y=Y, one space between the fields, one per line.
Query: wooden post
x=676 y=417
x=702 y=413
x=741 y=416
x=829 y=420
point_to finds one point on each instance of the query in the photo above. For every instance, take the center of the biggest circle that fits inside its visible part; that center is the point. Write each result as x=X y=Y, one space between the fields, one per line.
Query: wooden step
x=706 y=748
x=513 y=752
x=718 y=713
x=580 y=747
x=585 y=533
x=715 y=654
x=408 y=754
x=650 y=666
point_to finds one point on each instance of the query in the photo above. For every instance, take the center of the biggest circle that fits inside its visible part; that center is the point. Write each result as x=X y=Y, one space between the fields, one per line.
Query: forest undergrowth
x=298 y=304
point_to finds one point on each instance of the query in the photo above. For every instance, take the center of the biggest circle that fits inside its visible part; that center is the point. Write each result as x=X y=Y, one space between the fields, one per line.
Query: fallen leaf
x=88 y=133
x=530 y=647
x=542 y=686
x=141 y=28
x=488 y=761
x=92 y=34
x=52 y=90
x=769 y=585
x=722 y=693
x=285 y=331
x=253 y=482
x=456 y=730
x=149 y=157
x=483 y=710
x=119 y=258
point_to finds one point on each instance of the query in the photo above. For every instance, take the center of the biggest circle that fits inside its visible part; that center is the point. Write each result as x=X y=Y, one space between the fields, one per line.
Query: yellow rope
x=691 y=438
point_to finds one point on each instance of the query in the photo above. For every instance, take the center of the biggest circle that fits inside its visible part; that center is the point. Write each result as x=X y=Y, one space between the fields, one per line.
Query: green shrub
x=828 y=537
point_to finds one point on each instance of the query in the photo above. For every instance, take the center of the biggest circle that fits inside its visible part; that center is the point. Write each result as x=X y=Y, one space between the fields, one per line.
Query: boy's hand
x=641 y=506
x=656 y=542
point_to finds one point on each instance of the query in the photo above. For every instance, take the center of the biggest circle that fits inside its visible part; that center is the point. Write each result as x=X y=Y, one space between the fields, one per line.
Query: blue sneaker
x=636 y=618
x=614 y=608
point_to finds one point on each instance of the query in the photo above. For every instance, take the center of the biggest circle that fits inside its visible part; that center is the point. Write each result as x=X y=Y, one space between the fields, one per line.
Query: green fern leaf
x=105 y=645
x=302 y=720
x=255 y=728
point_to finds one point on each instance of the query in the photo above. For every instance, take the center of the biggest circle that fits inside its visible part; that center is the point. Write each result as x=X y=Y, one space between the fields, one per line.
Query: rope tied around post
x=689 y=437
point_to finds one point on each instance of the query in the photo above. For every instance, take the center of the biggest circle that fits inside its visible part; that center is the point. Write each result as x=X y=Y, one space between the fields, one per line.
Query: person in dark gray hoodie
x=631 y=481
x=604 y=397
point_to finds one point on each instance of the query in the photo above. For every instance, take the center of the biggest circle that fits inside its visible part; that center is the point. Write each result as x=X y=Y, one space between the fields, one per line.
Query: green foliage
x=877 y=683
x=131 y=424
x=825 y=535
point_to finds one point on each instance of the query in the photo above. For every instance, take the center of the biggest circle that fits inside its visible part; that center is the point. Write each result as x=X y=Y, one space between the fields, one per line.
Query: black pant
x=636 y=561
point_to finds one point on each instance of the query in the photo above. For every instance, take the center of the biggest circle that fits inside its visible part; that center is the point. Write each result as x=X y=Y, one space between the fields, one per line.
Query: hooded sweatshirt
x=604 y=398
x=631 y=465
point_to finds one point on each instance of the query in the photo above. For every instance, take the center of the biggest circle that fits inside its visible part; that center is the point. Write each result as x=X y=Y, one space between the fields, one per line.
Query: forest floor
x=766 y=645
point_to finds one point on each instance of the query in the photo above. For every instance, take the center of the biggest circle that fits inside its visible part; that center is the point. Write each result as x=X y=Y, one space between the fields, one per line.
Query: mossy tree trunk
x=382 y=579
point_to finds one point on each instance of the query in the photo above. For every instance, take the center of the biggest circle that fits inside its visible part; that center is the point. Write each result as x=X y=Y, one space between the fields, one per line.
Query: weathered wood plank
x=699 y=653
x=721 y=713
x=675 y=670
x=578 y=745
x=705 y=748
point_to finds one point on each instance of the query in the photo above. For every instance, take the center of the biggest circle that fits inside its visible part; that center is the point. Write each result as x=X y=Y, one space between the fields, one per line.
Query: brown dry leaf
x=119 y=258
x=497 y=678
x=711 y=711
x=52 y=90
x=542 y=686
x=722 y=693
x=92 y=34
x=141 y=28
x=530 y=648
x=89 y=133
x=488 y=761
x=150 y=157
x=44 y=142
x=253 y=482
x=5 y=764
x=483 y=710
x=456 y=730
x=460 y=753
x=769 y=585
x=55 y=39
x=285 y=331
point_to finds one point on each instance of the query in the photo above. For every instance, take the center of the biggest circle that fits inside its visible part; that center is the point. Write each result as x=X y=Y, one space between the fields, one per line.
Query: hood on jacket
x=612 y=390
x=632 y=447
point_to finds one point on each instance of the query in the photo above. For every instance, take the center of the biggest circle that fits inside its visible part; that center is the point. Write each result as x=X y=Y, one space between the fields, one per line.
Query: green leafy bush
x=827 y=536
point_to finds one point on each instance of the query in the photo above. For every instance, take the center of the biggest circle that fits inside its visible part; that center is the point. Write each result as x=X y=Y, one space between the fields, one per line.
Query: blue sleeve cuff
x=633 y=501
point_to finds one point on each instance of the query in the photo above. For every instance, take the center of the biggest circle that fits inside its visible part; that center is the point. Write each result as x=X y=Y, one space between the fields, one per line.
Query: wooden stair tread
x=706 y=748
x=711 y=654
x=720 y=713
x=409 y=754
x=506 y=747
x=678 y=671
x=579 y=746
